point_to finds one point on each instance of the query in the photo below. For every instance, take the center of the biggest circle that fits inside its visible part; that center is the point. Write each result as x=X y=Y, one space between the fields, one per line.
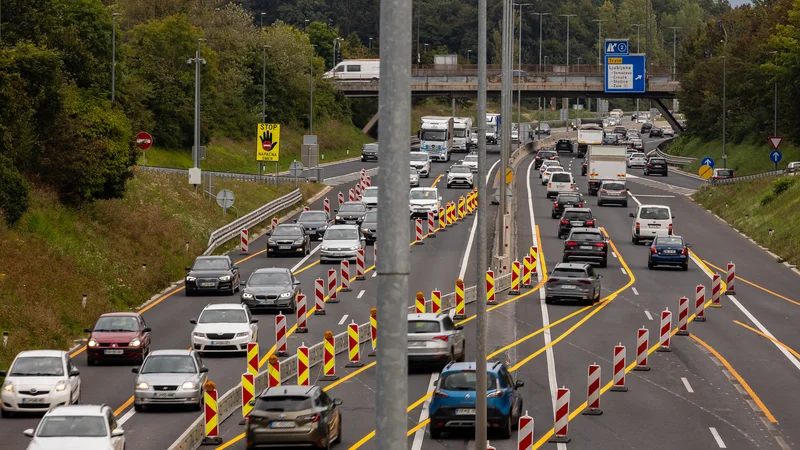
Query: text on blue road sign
x=625 y=73
x=616 y=47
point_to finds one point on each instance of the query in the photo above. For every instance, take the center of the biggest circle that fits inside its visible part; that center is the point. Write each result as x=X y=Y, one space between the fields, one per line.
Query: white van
x=355 y=69
x=650 y=221
x=560 y=182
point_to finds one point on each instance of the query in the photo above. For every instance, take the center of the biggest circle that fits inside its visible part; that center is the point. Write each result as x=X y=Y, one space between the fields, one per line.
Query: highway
x=730 y=384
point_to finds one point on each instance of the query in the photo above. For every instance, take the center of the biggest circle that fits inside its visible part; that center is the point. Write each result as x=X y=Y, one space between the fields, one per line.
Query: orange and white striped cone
x=360 y=270
x=419 y=303
x=534 y=253
x=328 y=358
x=431 y=225
x=375 y=255
x=683 y=316
x=352 y=196
x=326 y=206
x=460 y=310
x=319 y=297
x=525 y=434
x=619 y=369
x=515 y=278
x=642 y=344
x=245 y=241
x=730 y=278
x=665 y=331
x=490 y=298
x=436 y=301
x=302 y=365
x=252 y=358
x=716 y=290
x=210 y=416
x=373 y=330
x=353 y=346
x=699 y=303
x=273 y=371
x=418 y=232
x=527 y=266
x=332 y=283
x=562 y=417
x=442 y=219
x=280 y=334
x=302 y=311
x=593 y=392
x=369 y=181
x=248 y=394
x=344 y=267
x=340 y=198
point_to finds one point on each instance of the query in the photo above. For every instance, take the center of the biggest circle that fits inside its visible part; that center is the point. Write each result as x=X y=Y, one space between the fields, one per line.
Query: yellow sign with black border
x=268 y=137
x=615 y=60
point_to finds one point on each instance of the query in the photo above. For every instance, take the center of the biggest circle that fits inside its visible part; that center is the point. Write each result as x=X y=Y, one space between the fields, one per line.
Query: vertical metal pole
x=638 y=28
x=394 y=127
x=649 y=57
x=197 y=63
x=724 y=111
x=113 y=55
x=419 y=57
x=519 y=80
x=453 y=101
x=541 y=101
x=311 y=92
x=483 y=237
x=775 y=131
x=263 y=95
x=505 y=137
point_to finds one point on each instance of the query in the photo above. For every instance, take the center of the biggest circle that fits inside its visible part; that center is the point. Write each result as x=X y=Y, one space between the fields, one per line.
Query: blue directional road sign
x=775 y=156
x=625 y=74
x=707 y=162
x=616 y=47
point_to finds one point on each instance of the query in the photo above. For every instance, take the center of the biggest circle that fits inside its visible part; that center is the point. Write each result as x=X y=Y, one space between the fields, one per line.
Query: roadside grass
x=756 y=206
x=56 y=254
x=337 y=141
x=745 y=158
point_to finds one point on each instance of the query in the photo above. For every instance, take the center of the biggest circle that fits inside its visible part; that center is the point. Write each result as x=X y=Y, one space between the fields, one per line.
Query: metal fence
x=772 y=173
x=282 y=178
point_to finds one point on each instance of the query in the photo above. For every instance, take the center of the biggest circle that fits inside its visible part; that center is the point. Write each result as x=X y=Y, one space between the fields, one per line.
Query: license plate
x=669 y=252
x=614 y=193
x=654 y=226
x=657 y=166
x=220 y=342
x=416 y=343
x=576 y=224
x=567 y=286
x=586 y=247
x=164 y=395
x=465 y=411
x=207 y=284
x=33 y=400
x=266 y=302
x=282 y=424
x=284 y=247
x=112 y=352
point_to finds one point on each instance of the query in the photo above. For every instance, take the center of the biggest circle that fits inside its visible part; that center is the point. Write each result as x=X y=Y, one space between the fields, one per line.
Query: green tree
x=13 y=192
x=320 y=35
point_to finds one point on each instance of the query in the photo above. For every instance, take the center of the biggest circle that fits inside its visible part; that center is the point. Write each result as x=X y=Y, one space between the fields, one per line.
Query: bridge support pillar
x=368 y=127
x=668 y=115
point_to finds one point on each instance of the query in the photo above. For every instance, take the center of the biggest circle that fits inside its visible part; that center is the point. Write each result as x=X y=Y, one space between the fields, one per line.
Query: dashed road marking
x=649 y=316
x=344 y=317
x=717 y=437
x=374 y=274
x=361 y=294
x=687 y=385
x=635 y=292
x=614 y=254
x=622 y=269
x=121 y=421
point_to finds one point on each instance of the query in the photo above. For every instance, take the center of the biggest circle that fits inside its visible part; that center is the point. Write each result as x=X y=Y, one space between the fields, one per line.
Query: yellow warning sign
x=509 y=175
x=705 y=171
x=268 y=137
x=615 y=60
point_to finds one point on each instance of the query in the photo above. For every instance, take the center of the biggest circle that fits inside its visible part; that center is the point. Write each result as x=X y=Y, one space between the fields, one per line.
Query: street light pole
x=568 y=17
x=724 y=97
x=370 y=43
x=638 y=28
x=469 y=58
x=674 y=47
x=262 y=19
x=539 y=70
x=311 y=91
x=113 y=54
x=305 y=24
x=198 y=61
x=482 y=243
x=599 y=40
x=519 y=80
x=419 y=56
x=775 y=111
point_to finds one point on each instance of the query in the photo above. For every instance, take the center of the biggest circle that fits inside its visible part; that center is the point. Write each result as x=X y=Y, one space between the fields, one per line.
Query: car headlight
x=92 y=343
x=225 y=278
x=298 y=241
x=61 y=385
x=243 y=334
x=286 y=295
x=191 y=278
x=189 y=385
x=8 y=387
x=365 y=230
x=142 y=386
x=355 y=247
x=247 y=295
x=135 y=342
x=199 y=335
x=270 y=242
x=338 y=217
x=323 y=227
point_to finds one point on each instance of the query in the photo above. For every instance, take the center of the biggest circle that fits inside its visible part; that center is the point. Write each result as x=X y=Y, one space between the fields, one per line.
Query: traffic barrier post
x=302 y=365
x=329 y=358
x=525 y=432
x=345 y=276
x=562 y=417
x=211 y=418
x=418 y=232
x=515 y=278
x=373 y=330
x=534 y=259
x=352 y=195
x=273 y=224
x=442 y=220
x=716 y=290
x=490 y=298
x=319 y=297
x=375 y=255
x=431 y=225
x=489 y=446
x=460 y=310
x=461 y=212
x=252 y=358
x=273 y=371
x=593 y=392
x=302 y=309
x=642 y=344
x=340 y=198
x=683 y=316
x=245 y=241
x=666 y=329
x=700 y=303
x=326 y=206
x=353 y=346
x=368 y=180
x=619 y=369
x=248 y=394
x=280 y=334
x=419 y=303
x=332 y=283
x=730 y=278
x=360 y=270
x=436 y=301
x=527 y=268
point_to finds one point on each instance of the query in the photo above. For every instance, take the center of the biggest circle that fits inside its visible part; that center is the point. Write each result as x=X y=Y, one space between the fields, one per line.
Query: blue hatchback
x=668 y=251
x=453 y=403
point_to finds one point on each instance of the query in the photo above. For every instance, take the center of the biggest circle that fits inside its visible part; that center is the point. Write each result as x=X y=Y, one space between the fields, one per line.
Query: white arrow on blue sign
x=708 y=162
x=775 y=156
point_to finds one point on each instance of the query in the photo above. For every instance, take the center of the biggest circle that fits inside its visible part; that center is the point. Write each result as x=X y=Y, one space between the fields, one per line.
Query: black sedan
x=586 y=244
x=314 y=222
x=288 y=239
x=566 y=200
x=656 y=132
x=212 y=274
x=656 y=165
x=350 y=213
x=369 y=227
x=271 y=289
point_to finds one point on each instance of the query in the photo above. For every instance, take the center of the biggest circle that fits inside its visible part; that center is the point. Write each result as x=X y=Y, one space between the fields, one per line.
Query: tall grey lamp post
x=775 y=110
x=568 y=17
x=262 y=19
x=481 y=222
x=519 y=78
x=539 y=68
x=674 y=48
x=197 y=61
x=724 y=98
x=311 y=91
x=113 y=55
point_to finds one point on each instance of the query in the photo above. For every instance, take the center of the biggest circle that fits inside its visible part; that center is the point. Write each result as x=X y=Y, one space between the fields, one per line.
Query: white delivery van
x=462 y=134
x=436 y=137
x=650 y=221
x=355 y=69
x=560 y=182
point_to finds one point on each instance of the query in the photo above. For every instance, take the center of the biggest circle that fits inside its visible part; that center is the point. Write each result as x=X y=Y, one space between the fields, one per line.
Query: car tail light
x=584 y=281
x=600 y=244
x=669 y=229
x=603 y=191
x=653 y=250
x=552 y=280
x=590 y=223
x=571 y=187
x=637 y=227
x=441 y=338
x=313 y=418
x=549 y=185
x=580 y=205
x=538 y=158
x=649 y=165
x=438 y=393
x=570 y=243
x=564 y=222
x=685 y=251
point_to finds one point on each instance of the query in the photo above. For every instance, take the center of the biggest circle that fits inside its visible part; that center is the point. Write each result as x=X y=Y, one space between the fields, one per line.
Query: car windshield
x=585 y=237
x=459 y=169
x=561 y=178
x=419 y=157
x=548 y=154
x=32 y=366
x=223 y=316
x=668 y=240
x=283 y=404
x=413 y=171
x=370 y=192
x=554 y=168
x=211 y=264
x=287 y=231
x=459 y=133
x=564 y=141
x=423 y=326
x=568 y=273
x=169 y=364
x=352 y=207
x=116 y=324
x=654 y=213
x=341 y=235
x=313 y=216
x=613 y=186
x=268 y=279
x=423 y=194
x=568 y=199
x=371 y=217
x=578 y=215
x=465 y=381
x=471 y=158
x=434 y=135
x=72 y=426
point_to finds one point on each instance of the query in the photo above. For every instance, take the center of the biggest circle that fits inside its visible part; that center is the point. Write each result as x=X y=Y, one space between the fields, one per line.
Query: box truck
x=606 y=163
x=463 y=131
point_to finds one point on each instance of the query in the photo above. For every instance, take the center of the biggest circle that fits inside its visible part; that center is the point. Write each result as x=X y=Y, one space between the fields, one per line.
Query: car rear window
x=464 y=381
x=654 y=213
x=568 y=199
x=585 y=237
x=580 y=215
x=614 y=186
x=657 y=161
x=283 y=404
x=423 y=326
x=548 y=154
x=561 y=178
x=568 y=273
x=669 y=240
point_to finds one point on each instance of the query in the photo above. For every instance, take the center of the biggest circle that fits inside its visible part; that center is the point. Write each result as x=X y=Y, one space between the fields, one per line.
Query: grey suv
x=573 y=282
x=294 y=416
x=612 y=192
x=435 y=338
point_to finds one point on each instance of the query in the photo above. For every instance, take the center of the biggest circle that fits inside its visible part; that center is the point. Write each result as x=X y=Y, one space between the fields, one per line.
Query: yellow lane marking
x=786 y=347
x=737 y=376
x=756 y=285
x=127 y=403
x=436 y=180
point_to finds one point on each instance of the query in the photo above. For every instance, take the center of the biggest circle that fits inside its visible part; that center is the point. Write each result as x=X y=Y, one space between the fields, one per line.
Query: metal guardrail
x=231 y=230
x=230 y=401
x=282 y=178
x=755 y=176
x=672 y=160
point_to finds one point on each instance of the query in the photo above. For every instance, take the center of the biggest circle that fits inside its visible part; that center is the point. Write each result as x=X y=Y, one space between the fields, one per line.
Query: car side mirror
x=193 y=321
x=336 y=210
x=28 y=432
x=630 y=215
x=459 y=327
x=295 y=283
x=204 y=370
x=448 y=170
x=518 y=384
x=146 y=330
x=253 y=320
x=337 y=401
x=87 y=330
x=295 y=220
x=119 y=432
x=599 y=276
x=235 y=267
x=440 y=198
x=135 y=370
x=252 y=403
x=74 y=372
x=188 y=269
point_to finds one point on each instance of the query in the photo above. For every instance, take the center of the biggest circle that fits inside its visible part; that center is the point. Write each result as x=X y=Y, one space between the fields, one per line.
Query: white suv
x=82 y=426
x=39 y=380
x=422 y=162
x=224 y=327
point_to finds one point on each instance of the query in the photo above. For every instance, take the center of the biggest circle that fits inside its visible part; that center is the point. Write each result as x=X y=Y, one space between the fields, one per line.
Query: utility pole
x=263 y=89
x=505 y=132
x=539 y=70
x=394 y=129
x=775 y=111
x=519 y=80
x=419 y=56
x=724 y=97
x=262 y=19
x=599 y=40
x=483 y=237
x=311 y=91
x=674 y=49
x=568 y=17
x=198 y=61
x=113 y=54
x=469 y=58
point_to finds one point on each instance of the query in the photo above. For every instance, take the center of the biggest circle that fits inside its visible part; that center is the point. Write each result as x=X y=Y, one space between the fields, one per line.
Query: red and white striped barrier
x=280 y=335
x=700 y=303
x=431 y=225
x=666 y=330
x=352 y=196
x=369 y=181
x=562 y=417
x=716 y=290
x=302 y=327
x=273 y=224
x=375 y=255
x=360 y=270
x=243 y=235
x=328 y=358
x=326 y=206
x=418 y=232
x=619 y=369
x=345 y=276
x=353 y=346
x=525 y=432
x=593 y=392
x=642 y=344
x=515 y=278
x=319 y=297
x=340 y=198
x=489 y=446
x=373 y=330
x=332 y=283
x=683 y=316
x=730 y=277
x=358 y=192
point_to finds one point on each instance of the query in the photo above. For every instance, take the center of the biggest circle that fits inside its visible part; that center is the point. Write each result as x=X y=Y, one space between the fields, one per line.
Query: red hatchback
x=118 y=336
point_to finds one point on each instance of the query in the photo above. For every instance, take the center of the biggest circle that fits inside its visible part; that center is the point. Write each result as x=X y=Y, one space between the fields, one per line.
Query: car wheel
x=548 y=301
x=553 y=216
x=599 y=291
x=650 y=265
x=198 y=406
x=472 y=186
x=90 y=362
x=625 y=204
x=685 y=267
x=189 y=293
x=599 y=203
x=635 y=240
x=138 y=408
x=604 y=263
x=436 y=433
x=505 y=433
x=448 y=186
x=338 y=439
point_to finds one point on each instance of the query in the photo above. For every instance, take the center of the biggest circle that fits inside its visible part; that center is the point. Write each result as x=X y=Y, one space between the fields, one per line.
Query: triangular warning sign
x=775 y=141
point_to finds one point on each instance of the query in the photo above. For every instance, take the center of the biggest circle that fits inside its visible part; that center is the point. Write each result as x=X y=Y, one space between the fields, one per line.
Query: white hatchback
x=39 y=380
x=78 y=426
x=224 y=327
x=650 y=221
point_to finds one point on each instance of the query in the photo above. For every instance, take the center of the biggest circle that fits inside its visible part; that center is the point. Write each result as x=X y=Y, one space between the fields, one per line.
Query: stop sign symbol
x=266 y=145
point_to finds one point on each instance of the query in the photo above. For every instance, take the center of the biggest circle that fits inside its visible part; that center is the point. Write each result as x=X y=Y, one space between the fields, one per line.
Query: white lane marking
x=423 y=415
x=614 y=254
x=551 y=362
x=468 y=250
x=635 y=292
x=126 y=417
x=752 y=318
x=717 y=437
x=374 y=274
x=344 y=317
x=622 y=269
x=303 y=261
x=633 y=197
x=649 y=316
x=360 y=294
x=657 y=196
x=687 y=385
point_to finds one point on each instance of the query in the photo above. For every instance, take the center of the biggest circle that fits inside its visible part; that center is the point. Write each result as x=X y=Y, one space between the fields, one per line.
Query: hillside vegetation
x=744 y=158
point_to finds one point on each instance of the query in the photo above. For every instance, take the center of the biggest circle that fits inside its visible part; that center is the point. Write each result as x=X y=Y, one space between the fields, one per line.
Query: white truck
x=436 y=137
x=463 y=131
x=606 y=163
x=492 y=128
x=588 y=134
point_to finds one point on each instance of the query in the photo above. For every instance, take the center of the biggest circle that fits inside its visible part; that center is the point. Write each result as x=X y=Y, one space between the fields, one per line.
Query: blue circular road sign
x=622 y=47
x=775 y=156
x=707 y=162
